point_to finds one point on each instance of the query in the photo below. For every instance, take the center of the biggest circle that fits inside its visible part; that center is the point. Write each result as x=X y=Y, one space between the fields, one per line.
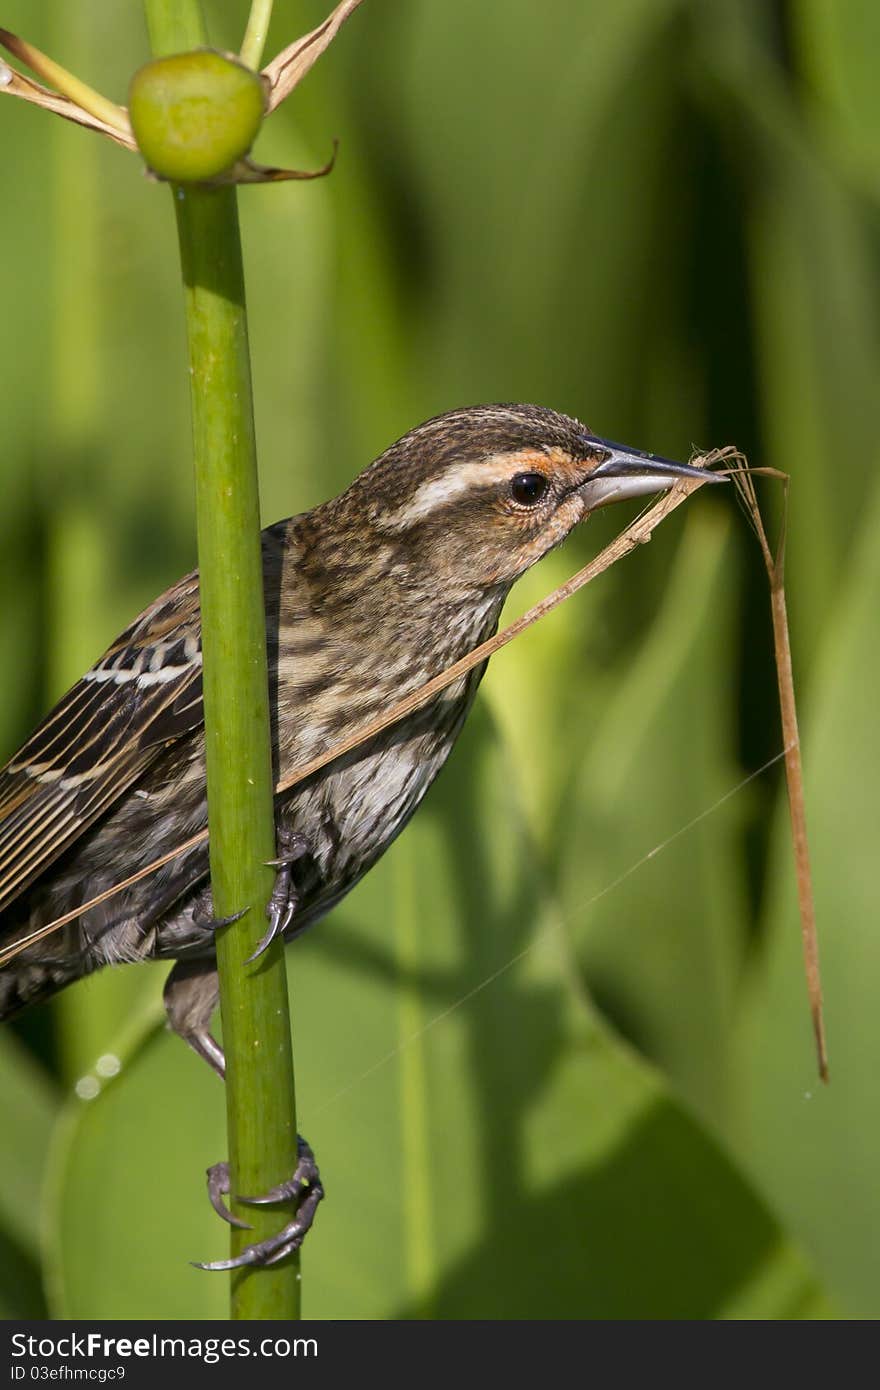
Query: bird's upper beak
x=631 y=473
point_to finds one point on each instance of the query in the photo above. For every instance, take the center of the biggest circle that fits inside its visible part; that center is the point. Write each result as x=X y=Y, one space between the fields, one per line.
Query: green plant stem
x=256 y=33
x=253 y=999
x=175 y=26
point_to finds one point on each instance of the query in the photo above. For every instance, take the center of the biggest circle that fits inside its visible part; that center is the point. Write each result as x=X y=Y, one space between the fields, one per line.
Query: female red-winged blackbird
x=367 y=597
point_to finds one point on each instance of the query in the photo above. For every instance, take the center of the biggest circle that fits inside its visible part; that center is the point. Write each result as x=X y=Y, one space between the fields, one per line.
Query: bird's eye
x=528 y=488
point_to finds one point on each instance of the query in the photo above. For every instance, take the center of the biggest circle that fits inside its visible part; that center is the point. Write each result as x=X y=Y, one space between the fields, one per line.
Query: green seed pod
x=194 y=115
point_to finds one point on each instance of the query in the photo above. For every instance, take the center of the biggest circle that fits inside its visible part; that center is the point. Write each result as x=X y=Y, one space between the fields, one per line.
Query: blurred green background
x=544 y=1076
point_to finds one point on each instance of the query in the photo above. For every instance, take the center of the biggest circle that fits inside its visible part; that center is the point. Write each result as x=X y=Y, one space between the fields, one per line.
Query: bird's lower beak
x=631 y=473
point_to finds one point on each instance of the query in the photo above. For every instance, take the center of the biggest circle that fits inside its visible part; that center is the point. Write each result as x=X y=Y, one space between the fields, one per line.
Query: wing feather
x=143 y=694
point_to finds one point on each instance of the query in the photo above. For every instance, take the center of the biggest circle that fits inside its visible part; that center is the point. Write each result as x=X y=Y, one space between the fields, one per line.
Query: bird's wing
x=144 y=693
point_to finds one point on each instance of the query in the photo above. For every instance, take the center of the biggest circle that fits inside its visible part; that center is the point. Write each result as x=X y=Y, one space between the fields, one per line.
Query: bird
x=367 y=596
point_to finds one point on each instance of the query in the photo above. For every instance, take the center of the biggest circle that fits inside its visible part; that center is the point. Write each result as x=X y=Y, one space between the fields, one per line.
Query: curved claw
x=217 y=922
x=218 y=1188
x=283 y=902
x=275 y=1248
x=281 y=1255
x=279 y=920
x=305 y=1176
x=305 y=1183
x=275 y=1194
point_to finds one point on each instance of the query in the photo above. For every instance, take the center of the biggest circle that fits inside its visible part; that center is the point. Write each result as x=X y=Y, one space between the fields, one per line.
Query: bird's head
x=479 y=495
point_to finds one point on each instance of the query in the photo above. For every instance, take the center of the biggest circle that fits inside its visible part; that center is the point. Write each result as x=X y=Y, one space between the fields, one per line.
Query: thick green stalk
x=175 y=26
x=253 y=999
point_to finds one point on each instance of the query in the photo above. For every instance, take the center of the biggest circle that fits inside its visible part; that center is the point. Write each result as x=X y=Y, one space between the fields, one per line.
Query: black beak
x=631 y=473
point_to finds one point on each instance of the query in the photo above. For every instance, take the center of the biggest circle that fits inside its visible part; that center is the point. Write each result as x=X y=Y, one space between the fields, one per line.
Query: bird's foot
x=305 y=1183
x=284 y=900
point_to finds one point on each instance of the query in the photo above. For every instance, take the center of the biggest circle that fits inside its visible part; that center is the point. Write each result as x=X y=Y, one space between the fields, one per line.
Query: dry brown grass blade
x=72 y=99
x=246 y=171
x=775 y=566
x=289 y=68
x=639 y=533
x=17 y=84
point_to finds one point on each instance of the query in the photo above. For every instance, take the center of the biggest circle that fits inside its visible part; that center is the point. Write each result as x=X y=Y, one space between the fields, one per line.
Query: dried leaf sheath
x=775 y=566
